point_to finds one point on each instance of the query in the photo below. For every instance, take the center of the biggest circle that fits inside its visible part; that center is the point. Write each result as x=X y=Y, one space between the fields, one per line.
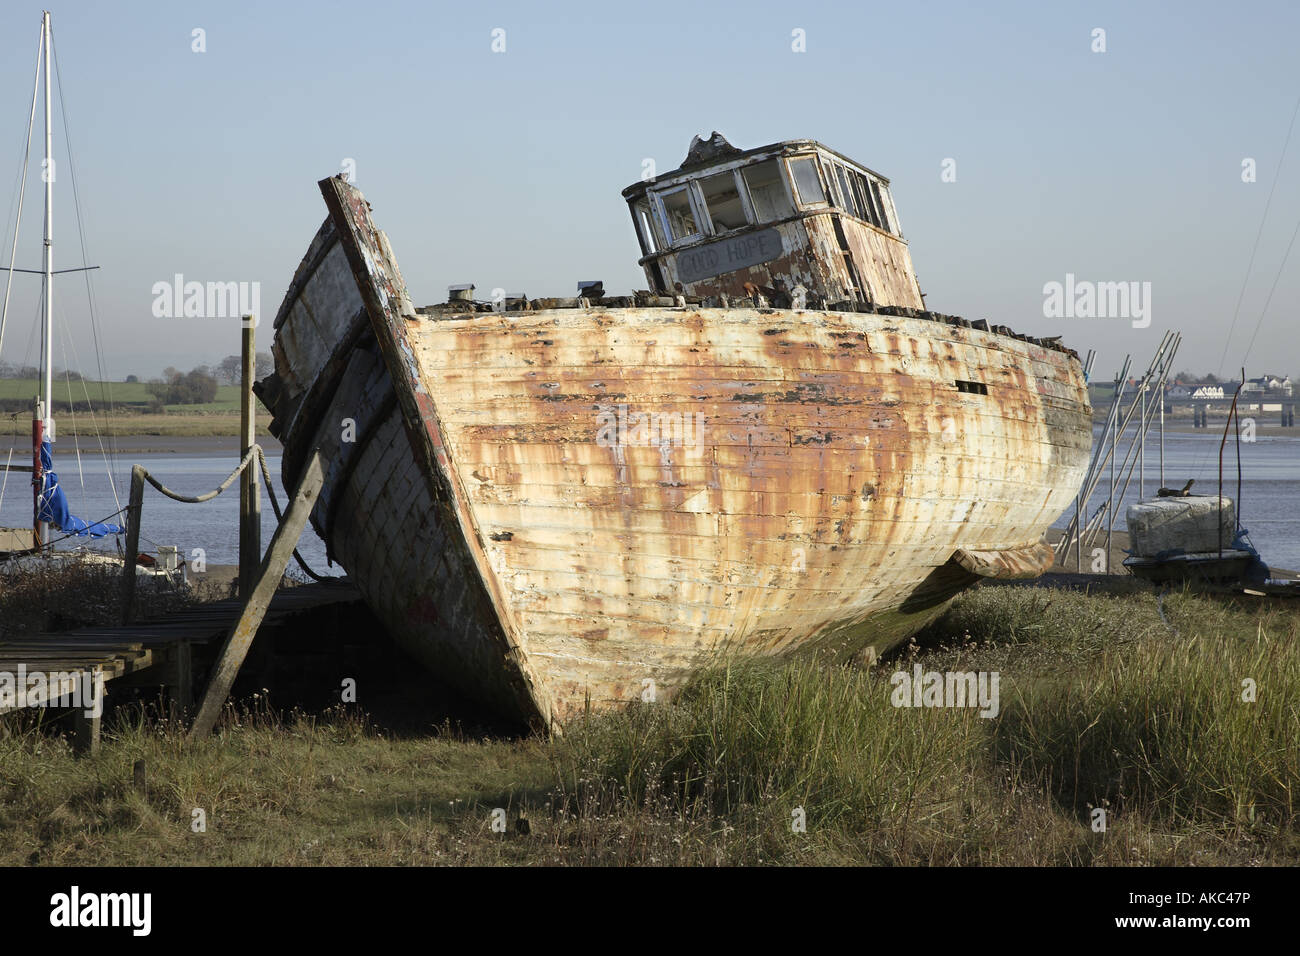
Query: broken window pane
x=846 y=190
x=806 y=180
x=880 y=205
x=643 y=223
x=863 y=192
x=722 y=200
x=679 y=215
x=832 y=189
x=767 y=192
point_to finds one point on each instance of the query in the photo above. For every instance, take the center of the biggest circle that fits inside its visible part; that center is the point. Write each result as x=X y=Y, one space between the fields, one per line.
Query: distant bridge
x=1279 y=403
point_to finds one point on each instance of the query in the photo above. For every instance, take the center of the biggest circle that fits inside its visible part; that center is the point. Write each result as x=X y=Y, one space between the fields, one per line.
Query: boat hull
x=575 y=508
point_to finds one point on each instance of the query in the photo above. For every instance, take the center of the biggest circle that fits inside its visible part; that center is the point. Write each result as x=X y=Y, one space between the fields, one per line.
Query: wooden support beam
x=183 y=678
x=87 y=718
x=259 y=597
x=250 y=498
x=133 y=507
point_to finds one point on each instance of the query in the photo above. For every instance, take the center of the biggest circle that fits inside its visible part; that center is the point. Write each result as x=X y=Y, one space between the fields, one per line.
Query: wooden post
x=250 y=499
x=85 y=727
x=133 y=507
x=182 y=689
x=259 y=595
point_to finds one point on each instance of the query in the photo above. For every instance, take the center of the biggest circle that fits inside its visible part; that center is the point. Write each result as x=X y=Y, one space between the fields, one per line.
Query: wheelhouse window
x=886 y=220
x=863 y=191
x=679 y=218
x=645 y=226
x=767 y=193
x=722 y=202
x=844 y=183
x=803 y=170
x=857 y=194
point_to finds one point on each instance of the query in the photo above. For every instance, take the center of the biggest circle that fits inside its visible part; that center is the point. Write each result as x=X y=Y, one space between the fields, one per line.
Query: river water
x=1270 y=496
x=212 y=526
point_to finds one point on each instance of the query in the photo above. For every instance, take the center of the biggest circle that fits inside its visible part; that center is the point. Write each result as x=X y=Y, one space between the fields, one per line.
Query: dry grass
x=1103 y=704
x=180 y=423
x=73 y=592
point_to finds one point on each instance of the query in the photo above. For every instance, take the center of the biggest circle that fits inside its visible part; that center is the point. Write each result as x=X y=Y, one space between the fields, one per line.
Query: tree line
x=198 y=386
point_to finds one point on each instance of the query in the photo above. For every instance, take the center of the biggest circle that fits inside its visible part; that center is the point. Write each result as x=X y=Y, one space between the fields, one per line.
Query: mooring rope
x=254 y=450
x=199 y=499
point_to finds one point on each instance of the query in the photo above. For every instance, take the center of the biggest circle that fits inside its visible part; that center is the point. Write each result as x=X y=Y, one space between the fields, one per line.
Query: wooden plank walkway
x=113 y=652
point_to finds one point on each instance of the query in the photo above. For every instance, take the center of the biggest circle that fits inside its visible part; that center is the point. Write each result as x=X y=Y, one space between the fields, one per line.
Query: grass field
x=1119 y=703
x=131 y=413
x=170 y=424
x=132 y=396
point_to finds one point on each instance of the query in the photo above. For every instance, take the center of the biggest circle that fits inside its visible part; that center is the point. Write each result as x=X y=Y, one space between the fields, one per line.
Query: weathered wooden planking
x=64 y=669
x=380 y=509
x=868 y=494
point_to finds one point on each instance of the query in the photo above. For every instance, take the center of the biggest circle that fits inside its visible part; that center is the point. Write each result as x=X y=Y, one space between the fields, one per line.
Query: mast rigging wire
x=110 y=455
x=1255 y=248
x=27 y=158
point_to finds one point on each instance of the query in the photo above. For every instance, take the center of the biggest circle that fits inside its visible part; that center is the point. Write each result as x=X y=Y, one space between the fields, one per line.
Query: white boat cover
x=1160 y=526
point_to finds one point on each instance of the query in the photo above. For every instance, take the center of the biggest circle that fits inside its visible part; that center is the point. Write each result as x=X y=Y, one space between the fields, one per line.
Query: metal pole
x=1078 y=532
x=1097 y=462
x=1162 y=436
x=1096 y=467
x=43 y=430
x=1231 y=413
x=1110 y=500
x=1078 y=495
x=1236 y=414
x=47 y=173
x=1130 y=462
x=1142 y=447
x=250 y=500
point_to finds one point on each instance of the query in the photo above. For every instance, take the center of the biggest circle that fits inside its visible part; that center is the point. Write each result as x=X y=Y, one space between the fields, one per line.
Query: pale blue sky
x=505 y=169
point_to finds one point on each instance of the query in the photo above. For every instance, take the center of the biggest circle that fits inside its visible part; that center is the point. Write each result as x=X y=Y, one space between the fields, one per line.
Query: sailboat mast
x=43 y=418
x=48 y=342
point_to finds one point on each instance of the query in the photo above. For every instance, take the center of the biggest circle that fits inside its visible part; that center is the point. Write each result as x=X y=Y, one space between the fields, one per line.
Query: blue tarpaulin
x=53 y=504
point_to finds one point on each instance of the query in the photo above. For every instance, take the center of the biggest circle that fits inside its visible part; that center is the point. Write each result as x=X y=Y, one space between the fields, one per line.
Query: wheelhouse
x=793 y=220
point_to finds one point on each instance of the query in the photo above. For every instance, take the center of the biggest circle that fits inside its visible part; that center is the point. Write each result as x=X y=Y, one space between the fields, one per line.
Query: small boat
x=1191 y=539
x=568 y=504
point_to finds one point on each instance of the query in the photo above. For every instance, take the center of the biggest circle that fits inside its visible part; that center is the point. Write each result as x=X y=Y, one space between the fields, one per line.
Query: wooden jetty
x=162 y=647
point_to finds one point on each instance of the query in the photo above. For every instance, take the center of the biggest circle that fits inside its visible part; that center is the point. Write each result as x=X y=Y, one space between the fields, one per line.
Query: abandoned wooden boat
x=568 y=503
